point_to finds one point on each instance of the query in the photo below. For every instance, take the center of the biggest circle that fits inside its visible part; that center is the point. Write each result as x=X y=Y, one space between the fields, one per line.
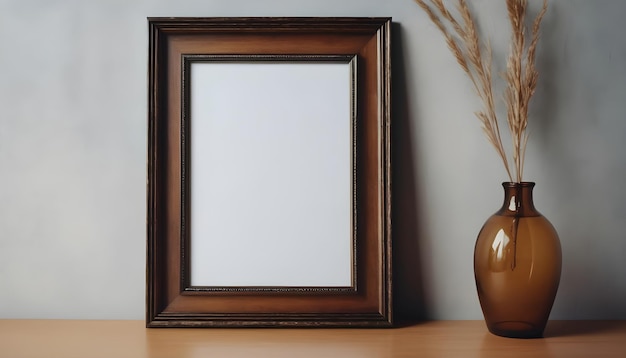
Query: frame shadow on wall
x=410 y=298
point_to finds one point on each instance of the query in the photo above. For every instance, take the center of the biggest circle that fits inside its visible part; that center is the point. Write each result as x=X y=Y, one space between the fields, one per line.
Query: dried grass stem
x=521 y=76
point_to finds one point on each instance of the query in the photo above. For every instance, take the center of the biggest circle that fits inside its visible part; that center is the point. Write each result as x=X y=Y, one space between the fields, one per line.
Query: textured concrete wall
x=73 y=150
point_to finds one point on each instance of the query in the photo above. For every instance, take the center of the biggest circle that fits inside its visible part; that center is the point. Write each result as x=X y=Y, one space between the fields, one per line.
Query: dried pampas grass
x=521 y=76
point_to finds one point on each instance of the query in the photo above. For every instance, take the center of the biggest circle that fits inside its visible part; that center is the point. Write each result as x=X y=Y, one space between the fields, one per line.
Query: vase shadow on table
x=408 y=274
x=577 y=328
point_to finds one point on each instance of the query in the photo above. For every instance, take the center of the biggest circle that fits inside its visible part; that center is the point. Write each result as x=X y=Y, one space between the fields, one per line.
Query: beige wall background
x=73 y=149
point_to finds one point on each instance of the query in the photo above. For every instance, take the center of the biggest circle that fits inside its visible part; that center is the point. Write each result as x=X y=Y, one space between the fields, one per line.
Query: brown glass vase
x=517 y=266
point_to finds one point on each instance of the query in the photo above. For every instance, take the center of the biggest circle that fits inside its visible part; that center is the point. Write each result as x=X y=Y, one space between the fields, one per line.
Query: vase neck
x=518 y=199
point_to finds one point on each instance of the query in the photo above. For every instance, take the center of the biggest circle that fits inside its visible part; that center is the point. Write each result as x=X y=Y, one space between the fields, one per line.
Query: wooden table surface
x=76 y=338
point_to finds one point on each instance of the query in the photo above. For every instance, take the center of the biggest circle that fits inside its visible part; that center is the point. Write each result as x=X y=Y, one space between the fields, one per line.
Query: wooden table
x=117 y=339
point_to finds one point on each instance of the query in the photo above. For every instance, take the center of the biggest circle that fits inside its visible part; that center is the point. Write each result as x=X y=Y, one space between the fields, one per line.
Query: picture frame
x=269 y=181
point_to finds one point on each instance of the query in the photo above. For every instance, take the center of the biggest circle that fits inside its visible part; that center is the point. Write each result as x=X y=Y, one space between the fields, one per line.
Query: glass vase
x=517 y=266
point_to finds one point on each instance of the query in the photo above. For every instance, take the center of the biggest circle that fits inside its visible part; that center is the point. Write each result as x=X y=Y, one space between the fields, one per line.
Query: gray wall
x=73 y=151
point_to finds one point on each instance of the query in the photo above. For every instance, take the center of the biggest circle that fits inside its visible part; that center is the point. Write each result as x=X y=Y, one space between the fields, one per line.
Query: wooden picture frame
x=304 y=239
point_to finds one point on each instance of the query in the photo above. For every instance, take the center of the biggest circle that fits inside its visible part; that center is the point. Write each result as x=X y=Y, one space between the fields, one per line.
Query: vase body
x=517 y=266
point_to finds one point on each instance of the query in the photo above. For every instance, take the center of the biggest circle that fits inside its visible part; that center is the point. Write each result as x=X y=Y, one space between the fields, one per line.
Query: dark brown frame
x=171 y=302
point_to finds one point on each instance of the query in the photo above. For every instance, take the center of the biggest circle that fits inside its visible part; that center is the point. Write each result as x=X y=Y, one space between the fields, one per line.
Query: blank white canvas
x=271 y=174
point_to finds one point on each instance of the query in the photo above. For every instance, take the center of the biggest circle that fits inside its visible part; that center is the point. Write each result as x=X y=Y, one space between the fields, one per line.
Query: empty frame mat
x=269 y=172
